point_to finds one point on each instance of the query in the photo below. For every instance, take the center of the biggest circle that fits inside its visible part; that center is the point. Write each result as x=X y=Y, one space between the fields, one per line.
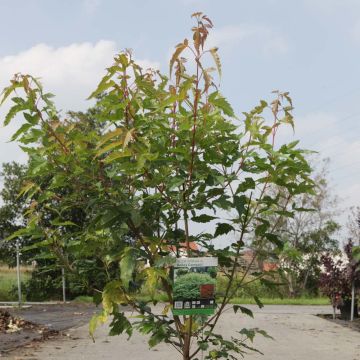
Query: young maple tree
x=162 y=154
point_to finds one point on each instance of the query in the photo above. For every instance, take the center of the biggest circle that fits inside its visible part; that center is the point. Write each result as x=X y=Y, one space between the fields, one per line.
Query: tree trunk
x=186 y=348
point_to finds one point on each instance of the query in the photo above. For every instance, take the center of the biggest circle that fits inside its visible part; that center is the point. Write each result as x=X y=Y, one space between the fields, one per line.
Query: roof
x=183 y=246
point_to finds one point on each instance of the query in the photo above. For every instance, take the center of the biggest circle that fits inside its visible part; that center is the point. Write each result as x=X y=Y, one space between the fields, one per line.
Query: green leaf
x=239 y=203
x=243 y=309
x=32 y=230
x=158 y=336
x=223 y=104
x=273 y=238
x=37 y=245
x=261 y=229
x=113 y=294
x=258 y=302
x=249 y=333
x=108 y=136
x=8 y=90
x=127 y=265
x=175 y=182
x=104 y=84
x=95 y=321
x=203 y=345
x=59 y=222
x=203 y=218
x=12 y=112
x=264 y=333
x=356 y=253
x=215 y=55
x=32 y=119
x=117 y=155
x=112 y=145
x=26 y=188
x=120 y=324
x=223 y=228
x=128 y=137
x=247 y=184
x=21 y=130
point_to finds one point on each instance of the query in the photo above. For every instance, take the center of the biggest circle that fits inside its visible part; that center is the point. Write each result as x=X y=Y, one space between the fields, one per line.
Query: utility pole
x=18 y=271
x=63 y=284
x=352 y=300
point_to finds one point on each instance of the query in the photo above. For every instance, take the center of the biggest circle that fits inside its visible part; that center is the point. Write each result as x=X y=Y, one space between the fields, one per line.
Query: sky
x=310 y=48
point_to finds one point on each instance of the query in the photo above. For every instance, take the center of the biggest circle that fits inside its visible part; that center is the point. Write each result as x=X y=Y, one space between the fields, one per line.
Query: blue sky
x=310 y=48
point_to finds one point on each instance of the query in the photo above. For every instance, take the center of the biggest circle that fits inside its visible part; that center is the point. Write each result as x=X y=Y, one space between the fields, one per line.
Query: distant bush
x=47 y=285
x=253 y=288
x=43 y=286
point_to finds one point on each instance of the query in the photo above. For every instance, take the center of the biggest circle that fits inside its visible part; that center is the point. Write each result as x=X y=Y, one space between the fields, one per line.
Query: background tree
x=12 y=208
x=171 y=153
x=353 y=225
x=45 y=282
x=308 y=235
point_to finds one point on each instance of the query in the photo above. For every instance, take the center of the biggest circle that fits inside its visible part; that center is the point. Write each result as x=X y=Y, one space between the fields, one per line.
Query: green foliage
x=153 y=156
x=44 y=286
x=188 y=286
x=12 y=208
x=120 y=324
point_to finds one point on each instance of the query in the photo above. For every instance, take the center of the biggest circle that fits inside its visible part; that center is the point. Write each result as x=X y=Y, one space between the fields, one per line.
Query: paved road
x=55 y=316
x=299 y=335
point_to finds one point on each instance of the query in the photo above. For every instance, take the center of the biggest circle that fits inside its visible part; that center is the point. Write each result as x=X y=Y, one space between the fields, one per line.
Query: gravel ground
x=298 y=335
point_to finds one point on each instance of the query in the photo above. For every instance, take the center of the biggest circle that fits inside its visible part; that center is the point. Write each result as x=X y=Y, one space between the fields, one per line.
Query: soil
x=354 y=325
x=16 y=332
x=10 y=324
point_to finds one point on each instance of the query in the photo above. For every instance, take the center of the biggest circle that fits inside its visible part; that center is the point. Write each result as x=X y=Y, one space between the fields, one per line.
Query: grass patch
x=284 y=301
x=8 y=280
x=248 y=301
x=83 y=299
x=161 y=297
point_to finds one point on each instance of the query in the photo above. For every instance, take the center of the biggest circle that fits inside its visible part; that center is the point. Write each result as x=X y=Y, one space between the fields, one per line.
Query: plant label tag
x=194 y=286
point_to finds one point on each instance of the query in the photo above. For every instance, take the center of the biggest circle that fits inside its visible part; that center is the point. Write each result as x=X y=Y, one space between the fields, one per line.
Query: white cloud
x=269 y=41
x=327 y=133
x=70 y=72
x=90 y=6
x=307 y=128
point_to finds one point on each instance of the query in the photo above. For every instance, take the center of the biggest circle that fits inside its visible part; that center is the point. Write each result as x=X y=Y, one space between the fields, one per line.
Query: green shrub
x=253 y=288
x=188 y=286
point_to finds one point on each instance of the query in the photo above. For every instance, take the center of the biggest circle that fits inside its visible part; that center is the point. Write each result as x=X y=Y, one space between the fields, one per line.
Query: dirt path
x=299 y=335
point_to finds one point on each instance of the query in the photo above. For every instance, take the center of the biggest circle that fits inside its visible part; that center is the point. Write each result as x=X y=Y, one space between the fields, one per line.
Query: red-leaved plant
x=337 y=277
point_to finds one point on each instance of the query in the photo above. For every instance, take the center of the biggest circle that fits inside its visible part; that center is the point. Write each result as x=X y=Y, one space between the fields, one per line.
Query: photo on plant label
x=194 y=286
